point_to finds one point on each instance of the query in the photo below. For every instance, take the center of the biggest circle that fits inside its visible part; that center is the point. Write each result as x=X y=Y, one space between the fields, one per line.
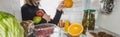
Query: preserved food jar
x=88 y=21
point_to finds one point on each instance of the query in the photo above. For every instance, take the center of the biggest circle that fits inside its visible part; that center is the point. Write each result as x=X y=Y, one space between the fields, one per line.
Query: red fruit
x=40 y=13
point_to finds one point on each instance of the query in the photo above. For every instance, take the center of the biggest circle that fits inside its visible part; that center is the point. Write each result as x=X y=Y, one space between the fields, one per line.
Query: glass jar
x=91 y=20
x=88 y=21
x=85 y=21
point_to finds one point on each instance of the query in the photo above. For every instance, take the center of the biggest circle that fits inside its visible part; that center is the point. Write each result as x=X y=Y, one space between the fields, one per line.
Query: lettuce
x=9 y=26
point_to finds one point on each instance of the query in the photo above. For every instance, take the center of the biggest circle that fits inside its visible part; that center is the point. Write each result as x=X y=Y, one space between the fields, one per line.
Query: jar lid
x=89 y=10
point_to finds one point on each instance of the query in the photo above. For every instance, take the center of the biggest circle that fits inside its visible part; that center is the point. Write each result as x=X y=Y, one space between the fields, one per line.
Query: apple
x=40 y=13
x=37 y=19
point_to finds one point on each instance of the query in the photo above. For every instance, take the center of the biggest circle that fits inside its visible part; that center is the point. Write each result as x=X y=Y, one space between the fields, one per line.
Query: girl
x=30 y=8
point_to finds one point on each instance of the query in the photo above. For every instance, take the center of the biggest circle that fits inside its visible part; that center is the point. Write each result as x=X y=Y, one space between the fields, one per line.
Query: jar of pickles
x=88 y=21
x=91 y=20
x=85 y=21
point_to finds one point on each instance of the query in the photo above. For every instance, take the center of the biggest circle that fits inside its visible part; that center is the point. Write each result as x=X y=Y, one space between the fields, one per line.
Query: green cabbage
x=9 y=26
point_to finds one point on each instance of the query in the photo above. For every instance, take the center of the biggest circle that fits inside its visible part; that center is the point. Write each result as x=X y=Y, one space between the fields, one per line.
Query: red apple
x=40 y=13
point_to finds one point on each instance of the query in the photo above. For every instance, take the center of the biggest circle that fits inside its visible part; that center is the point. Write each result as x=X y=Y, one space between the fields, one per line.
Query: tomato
x=40 y=13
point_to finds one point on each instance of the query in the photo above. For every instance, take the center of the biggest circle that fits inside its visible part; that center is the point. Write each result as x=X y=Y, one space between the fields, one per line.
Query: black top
x=28 y=13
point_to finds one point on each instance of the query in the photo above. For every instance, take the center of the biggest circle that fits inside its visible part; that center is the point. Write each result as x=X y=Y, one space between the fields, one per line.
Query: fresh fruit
x=10 y=26
x=61 y=24
x=68 y=3
x=75 y=29
x=37 y=19
x=67 y=24
x=40 y=13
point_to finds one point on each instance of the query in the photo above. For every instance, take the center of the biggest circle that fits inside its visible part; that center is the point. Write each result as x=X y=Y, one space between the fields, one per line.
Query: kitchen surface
x=80 y=18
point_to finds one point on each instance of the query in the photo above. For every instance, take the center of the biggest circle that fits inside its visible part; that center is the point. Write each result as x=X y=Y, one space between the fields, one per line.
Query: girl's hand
x=46 y=17
x=61 y=6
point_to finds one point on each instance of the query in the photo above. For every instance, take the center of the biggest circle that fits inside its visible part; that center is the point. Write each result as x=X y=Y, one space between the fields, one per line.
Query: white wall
x=111 y=22
x=74 y=14
x=11 y=6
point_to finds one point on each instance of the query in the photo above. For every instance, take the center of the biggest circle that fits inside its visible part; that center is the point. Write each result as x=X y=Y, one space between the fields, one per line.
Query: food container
x=88 y=21
x=28 y=26
x=44 y=30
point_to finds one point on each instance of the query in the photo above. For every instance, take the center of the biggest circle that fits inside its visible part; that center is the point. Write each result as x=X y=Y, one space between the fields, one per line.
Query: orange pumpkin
x=68 y=3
